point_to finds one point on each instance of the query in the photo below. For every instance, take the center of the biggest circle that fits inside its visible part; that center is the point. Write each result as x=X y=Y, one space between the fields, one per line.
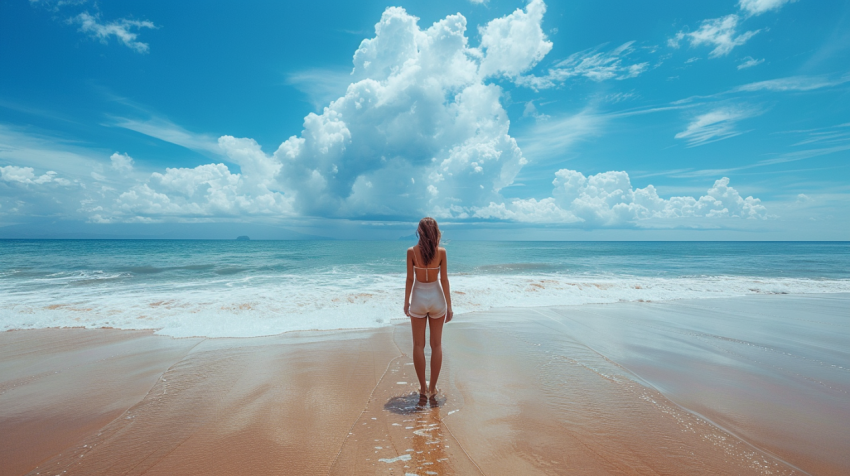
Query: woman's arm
x=408 y=285
x=444 y=281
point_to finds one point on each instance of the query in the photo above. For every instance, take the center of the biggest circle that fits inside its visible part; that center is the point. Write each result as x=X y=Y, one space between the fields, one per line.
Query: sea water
x=252 y=288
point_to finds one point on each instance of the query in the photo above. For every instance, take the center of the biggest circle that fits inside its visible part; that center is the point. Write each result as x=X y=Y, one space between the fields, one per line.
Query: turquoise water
x=239 y=288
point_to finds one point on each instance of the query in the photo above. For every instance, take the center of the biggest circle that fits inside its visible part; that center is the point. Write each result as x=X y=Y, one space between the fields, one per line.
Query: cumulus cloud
x=120 y=29
x=26 y=175
x=420 y=130
x=204 y=191
x=718 y=32
x=715 y=125
x=511 y=45
x=121 y=162
x=608 y=200
x=757 y=7
x=592 y=64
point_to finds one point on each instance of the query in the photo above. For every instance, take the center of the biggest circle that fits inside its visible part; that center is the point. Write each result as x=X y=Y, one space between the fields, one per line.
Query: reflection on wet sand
x=399 y=433
x=671 y=388
x=428 y=448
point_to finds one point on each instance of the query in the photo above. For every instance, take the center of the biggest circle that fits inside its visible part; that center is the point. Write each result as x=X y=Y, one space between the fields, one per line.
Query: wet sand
x=755 y=385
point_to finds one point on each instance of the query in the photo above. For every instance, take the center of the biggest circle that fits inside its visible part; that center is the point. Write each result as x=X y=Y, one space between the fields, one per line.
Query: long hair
x=429 y=239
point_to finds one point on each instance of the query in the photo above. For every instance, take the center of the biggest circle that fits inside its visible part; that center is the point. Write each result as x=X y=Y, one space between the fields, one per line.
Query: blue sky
x=503 y=119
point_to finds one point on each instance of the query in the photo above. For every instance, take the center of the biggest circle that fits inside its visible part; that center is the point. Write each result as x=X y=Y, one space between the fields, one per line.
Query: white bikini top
x=426 y=271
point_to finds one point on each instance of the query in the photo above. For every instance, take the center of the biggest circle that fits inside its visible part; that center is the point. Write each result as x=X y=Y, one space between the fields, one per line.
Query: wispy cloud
x=749 y=62
x=592 y=64
x=647 y=110
x=722 y=32
x=556 y=136
x=839 y=134
x=167 y=131
x=42 y=175
x=794 y=83
x=791 y=83
x=782 y=158
x=757 y=7
x=41 y=152
x=715 y=125
x=120 y=29
x=320 y=85
x=803 y=154
x=718 y=32
x=55 y=5
x=530 y=110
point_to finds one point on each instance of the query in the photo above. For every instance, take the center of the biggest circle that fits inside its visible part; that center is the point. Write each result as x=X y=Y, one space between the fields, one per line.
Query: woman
x=427 y=302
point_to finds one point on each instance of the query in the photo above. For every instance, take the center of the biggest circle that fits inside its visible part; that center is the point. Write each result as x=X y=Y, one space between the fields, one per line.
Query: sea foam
x=258 y=305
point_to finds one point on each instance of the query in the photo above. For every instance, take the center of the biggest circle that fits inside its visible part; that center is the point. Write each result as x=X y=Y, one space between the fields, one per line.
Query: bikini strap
x=426 y=269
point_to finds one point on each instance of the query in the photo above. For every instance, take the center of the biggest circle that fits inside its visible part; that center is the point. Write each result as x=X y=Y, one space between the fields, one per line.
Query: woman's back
x=427 y=272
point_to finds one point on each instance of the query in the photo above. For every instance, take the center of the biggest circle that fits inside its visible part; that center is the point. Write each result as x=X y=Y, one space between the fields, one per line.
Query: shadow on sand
x=412 y=403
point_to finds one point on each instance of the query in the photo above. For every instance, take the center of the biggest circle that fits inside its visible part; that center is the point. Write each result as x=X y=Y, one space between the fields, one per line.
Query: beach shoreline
x=691 y=386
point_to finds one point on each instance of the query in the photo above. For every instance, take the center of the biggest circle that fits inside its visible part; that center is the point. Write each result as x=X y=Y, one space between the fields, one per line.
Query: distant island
x=243 y=238
x=412 y=237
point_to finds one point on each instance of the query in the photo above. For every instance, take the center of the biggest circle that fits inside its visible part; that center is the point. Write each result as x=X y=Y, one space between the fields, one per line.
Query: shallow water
x=772 y=371
x=235 y=289
x=752 y=385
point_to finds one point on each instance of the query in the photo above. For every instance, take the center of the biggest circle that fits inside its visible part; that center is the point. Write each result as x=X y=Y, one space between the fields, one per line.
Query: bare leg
x=418 y=325
x=436 y=352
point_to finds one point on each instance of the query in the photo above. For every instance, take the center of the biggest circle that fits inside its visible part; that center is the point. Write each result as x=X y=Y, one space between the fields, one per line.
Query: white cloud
x=419 y=110
x=608 y=200
x=206 y=191
x=757 y=7
x=530 y=110
x=793 y=83
x=320 y=85
x=120 y=29
x=511 y=45
x=592 y=64
x=749 y=62
x=169 y=132
x=121 y=162
x=420 y=130
x=550 y=139
x=718 y=32
x=715 y=125
x=26 y=175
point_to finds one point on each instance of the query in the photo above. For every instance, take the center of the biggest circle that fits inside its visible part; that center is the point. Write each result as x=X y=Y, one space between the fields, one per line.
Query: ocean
x=253 y=288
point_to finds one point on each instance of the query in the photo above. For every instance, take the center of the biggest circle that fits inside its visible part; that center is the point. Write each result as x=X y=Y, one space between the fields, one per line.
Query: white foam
x=267 y=305
x=404 y=457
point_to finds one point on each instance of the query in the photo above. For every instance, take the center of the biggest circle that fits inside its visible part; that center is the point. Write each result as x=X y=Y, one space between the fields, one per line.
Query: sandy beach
x=751 y=385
